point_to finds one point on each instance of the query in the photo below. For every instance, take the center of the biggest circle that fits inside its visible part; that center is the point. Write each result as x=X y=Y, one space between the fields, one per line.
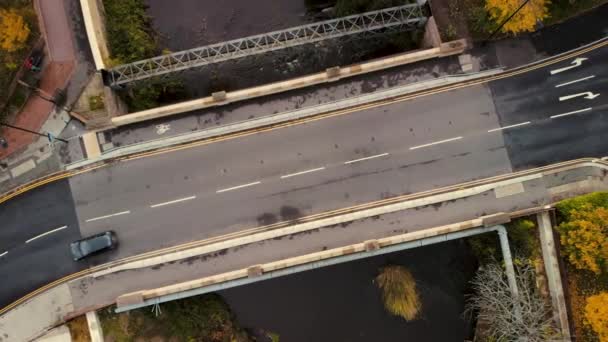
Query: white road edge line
x=47 y=233
x=303 y=172
x=435 y=143
x=172 y=202
x=575 y=81
x=511 y=126
x=108 y=216
x=238 y=187
x=366 y=158
x=570 y=113
x=3 y=254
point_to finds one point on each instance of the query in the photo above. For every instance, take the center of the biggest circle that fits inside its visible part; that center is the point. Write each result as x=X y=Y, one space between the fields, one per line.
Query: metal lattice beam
x=406 y=17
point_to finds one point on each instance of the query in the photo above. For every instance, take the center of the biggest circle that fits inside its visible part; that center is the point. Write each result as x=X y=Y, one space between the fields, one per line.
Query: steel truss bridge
x=402 y=18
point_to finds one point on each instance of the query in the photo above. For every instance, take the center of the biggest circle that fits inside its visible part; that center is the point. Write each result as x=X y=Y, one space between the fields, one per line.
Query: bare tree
x=525 y=318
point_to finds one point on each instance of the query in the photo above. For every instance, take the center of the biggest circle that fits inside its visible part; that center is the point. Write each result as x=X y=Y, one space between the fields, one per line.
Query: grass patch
x=523 y=241
x=399 y=292
x=96 y=103
x=200 y=318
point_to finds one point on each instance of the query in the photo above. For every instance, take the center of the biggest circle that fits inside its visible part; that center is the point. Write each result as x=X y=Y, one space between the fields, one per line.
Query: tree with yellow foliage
x=13 y=30
x=585 y=238
x=524 y=20
x=596 y=315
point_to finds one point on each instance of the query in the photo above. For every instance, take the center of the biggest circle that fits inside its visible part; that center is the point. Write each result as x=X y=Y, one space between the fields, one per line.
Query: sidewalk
x=29 y=156
x=441 y=211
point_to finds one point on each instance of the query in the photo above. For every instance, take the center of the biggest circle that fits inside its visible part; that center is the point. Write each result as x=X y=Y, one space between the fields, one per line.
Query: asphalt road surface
x=404 y=147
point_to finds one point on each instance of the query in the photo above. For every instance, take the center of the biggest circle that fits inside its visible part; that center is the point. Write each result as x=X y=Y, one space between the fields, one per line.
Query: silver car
x=93 y=244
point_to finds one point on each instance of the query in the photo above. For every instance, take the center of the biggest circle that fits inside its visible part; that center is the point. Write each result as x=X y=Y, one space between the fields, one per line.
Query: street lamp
x=48 y=135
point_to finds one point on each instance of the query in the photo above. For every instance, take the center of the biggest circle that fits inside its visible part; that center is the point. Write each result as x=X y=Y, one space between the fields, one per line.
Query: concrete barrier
x=336 y=73
x=93 y=15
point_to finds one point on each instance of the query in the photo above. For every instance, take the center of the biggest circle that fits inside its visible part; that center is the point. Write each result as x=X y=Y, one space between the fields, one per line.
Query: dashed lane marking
x=303 y=172
x=570 y=113
x=575 y=81
x=507 y=127
x=238 y=187
x=172 y=202
x=108 y=216
x=366 y=158
x=435 y=143
x=47 y=233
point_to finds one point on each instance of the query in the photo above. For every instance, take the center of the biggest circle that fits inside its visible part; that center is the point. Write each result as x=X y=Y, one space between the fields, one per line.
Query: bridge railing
x=406 y=17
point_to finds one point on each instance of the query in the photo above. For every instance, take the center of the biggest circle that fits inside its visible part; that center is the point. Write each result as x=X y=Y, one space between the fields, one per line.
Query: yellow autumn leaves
x=596 y=315
x=585 y=238
x=14 y=31
x=524 y=20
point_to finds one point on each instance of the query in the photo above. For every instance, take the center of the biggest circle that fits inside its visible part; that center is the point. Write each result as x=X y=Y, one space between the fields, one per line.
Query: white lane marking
x=570 y=113
x=366 y=158
x=507 y=127
x=589 y=95
x=108 y=216
x=435 y=143
x=47 y=233
x=3 y=254
x=172 y=202
x=238 y=187
x=575 y=63
x=303 y=172
x=575 y=81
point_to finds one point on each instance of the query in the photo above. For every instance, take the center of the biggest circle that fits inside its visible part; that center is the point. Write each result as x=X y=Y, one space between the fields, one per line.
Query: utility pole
x=506 y=20
x=48 y=135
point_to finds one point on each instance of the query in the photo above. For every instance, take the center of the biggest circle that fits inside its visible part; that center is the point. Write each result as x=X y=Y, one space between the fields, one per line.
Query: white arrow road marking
x=575 y=63
x=570 y=113
x=47 y=233
x=587 y=95
x=575 y=81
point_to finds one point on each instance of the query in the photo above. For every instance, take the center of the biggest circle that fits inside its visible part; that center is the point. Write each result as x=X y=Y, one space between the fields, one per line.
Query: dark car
x=93 y=244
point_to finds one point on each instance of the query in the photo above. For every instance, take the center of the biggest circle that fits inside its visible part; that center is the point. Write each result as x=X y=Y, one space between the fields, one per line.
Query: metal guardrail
x=408 y=17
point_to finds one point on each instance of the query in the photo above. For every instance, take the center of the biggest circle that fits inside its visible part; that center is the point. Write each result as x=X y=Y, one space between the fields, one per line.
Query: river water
x=341 y=302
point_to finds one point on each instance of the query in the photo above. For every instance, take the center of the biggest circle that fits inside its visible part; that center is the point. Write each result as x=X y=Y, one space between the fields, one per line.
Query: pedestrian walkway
x=29 y=156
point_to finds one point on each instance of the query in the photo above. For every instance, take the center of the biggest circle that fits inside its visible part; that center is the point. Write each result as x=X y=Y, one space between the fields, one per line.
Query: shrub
x=399 y=292
x=596 y=314
x=130 y=35
x=96 y=103
x=593 y=200
x=524 y=20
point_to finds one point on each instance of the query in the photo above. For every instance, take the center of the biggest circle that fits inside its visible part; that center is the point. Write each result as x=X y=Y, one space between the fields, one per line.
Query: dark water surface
x=341 y=303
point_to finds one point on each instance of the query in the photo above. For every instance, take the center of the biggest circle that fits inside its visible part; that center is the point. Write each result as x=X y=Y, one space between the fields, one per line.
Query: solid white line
x=570 y=113
x=435 y=143
x=366 y=158
x=571 y=82
x=302 y=172
x=3 y=254
x=507 y=127
x=238 y=187
x=108 y=216
x=47 y=233
x=171 y=202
